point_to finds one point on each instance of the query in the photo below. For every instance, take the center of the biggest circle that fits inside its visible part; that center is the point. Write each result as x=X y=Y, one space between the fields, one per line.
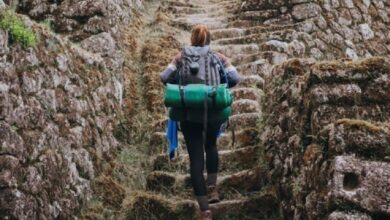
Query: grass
x=18 y=31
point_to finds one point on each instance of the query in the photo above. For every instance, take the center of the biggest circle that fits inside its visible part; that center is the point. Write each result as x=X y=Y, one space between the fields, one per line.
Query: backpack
x=199 y=65
x=201 y=88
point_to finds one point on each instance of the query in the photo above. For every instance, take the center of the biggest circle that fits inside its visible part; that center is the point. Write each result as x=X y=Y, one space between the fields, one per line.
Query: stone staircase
x=259 y=37
x=241 y=174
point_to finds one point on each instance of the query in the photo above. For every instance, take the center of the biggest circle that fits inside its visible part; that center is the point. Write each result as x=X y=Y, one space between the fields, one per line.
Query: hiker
x=205 y=191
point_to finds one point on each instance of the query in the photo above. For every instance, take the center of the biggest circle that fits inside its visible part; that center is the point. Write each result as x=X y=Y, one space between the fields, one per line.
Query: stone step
x=281 y=35
x=260 y=205
x=173 y=183
x=183 y=10
x=148 y=205
x=187 y=25
x=245 y=24
x=234 y=139
x=247 y=93
x=189 y=21
x=272 y=56
x=201 y=4
x=158 y=143
x=259 y=15
x=212 y=11
x=247 y=39
x=247 y=120
x=226 y=33
x=241 y=59
x=245 y=106
x=251 y=81
x=260 y=67
x=229 y=160
x=178 y=4
x=232 y=50
x=258 y=29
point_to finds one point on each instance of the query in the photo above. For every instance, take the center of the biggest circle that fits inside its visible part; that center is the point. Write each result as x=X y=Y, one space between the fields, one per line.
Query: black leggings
x=193 y=136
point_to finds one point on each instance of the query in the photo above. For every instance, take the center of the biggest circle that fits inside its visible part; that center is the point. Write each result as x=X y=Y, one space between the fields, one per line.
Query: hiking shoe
x=206 y=215
x=213 y=194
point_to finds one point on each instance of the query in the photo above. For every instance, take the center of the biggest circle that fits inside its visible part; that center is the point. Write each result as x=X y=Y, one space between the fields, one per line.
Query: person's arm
x=170 y=73
x=233 y=77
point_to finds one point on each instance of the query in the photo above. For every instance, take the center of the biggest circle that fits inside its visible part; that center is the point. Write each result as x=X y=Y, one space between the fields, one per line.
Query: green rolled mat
x=218 y=97
x=196 y=115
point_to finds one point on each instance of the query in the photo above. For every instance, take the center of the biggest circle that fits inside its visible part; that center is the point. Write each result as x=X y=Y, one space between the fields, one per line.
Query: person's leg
x=193 y=137
x=212 y=158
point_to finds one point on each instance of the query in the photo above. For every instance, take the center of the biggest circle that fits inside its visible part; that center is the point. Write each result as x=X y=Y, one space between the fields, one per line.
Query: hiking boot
x=206 y=215
x=213 y=194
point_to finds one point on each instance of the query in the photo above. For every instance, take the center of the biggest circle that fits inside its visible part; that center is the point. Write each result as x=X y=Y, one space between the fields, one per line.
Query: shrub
x=18 y=31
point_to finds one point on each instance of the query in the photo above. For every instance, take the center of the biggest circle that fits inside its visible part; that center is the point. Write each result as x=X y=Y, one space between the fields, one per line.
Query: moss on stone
x=355 y=123
x=373 y=64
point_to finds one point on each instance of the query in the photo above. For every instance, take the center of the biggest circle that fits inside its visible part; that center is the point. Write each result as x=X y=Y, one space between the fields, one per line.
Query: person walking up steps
x=198 y=64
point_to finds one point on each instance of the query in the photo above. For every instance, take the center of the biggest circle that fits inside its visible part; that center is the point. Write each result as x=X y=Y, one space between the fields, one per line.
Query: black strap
x=204 y=133
x=181 y=86
x=182 y=95
x=205 y=103
x=223 y=71
x=213 y=95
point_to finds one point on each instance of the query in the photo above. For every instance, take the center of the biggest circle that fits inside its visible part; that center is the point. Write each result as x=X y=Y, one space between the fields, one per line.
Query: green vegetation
x=18 y=31
x=48 y=24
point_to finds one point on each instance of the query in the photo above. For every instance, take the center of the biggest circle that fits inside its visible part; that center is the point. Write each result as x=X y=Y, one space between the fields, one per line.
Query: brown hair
x=200 y=35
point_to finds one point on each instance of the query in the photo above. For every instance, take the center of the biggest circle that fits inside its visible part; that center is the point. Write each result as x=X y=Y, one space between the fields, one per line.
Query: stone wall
x=323 y=165
x=59 y=106
x=79 y=19
x=337 y=170
x=327 y=29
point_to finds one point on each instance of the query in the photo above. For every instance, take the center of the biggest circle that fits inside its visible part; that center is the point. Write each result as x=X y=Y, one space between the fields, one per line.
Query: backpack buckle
x=194 y=68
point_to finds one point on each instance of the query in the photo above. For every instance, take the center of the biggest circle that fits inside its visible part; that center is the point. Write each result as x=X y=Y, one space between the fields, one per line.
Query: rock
x=296 y=48
x=378 y=90
x=305 y=11
x=102 y=43
x=363 y=184
x=62 y=63
x=367 y=3
x=322 y=94
x=366 y=31
x=347 y=3
x=351 y=54
x=3 y=41
x=278 y=45
x=349 y=216
x=316 y=53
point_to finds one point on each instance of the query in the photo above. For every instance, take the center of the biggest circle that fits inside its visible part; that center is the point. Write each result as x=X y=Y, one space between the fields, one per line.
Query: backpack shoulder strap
x=222 y=69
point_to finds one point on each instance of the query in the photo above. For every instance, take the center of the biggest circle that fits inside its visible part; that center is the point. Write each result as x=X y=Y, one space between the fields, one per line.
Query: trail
x=240 y=178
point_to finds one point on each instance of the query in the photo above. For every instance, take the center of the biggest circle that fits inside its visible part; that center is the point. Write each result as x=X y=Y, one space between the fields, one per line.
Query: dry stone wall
x=319 y=168
x=326 y=29
x=79 y=19
x=326 y=122
x=59 y=105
